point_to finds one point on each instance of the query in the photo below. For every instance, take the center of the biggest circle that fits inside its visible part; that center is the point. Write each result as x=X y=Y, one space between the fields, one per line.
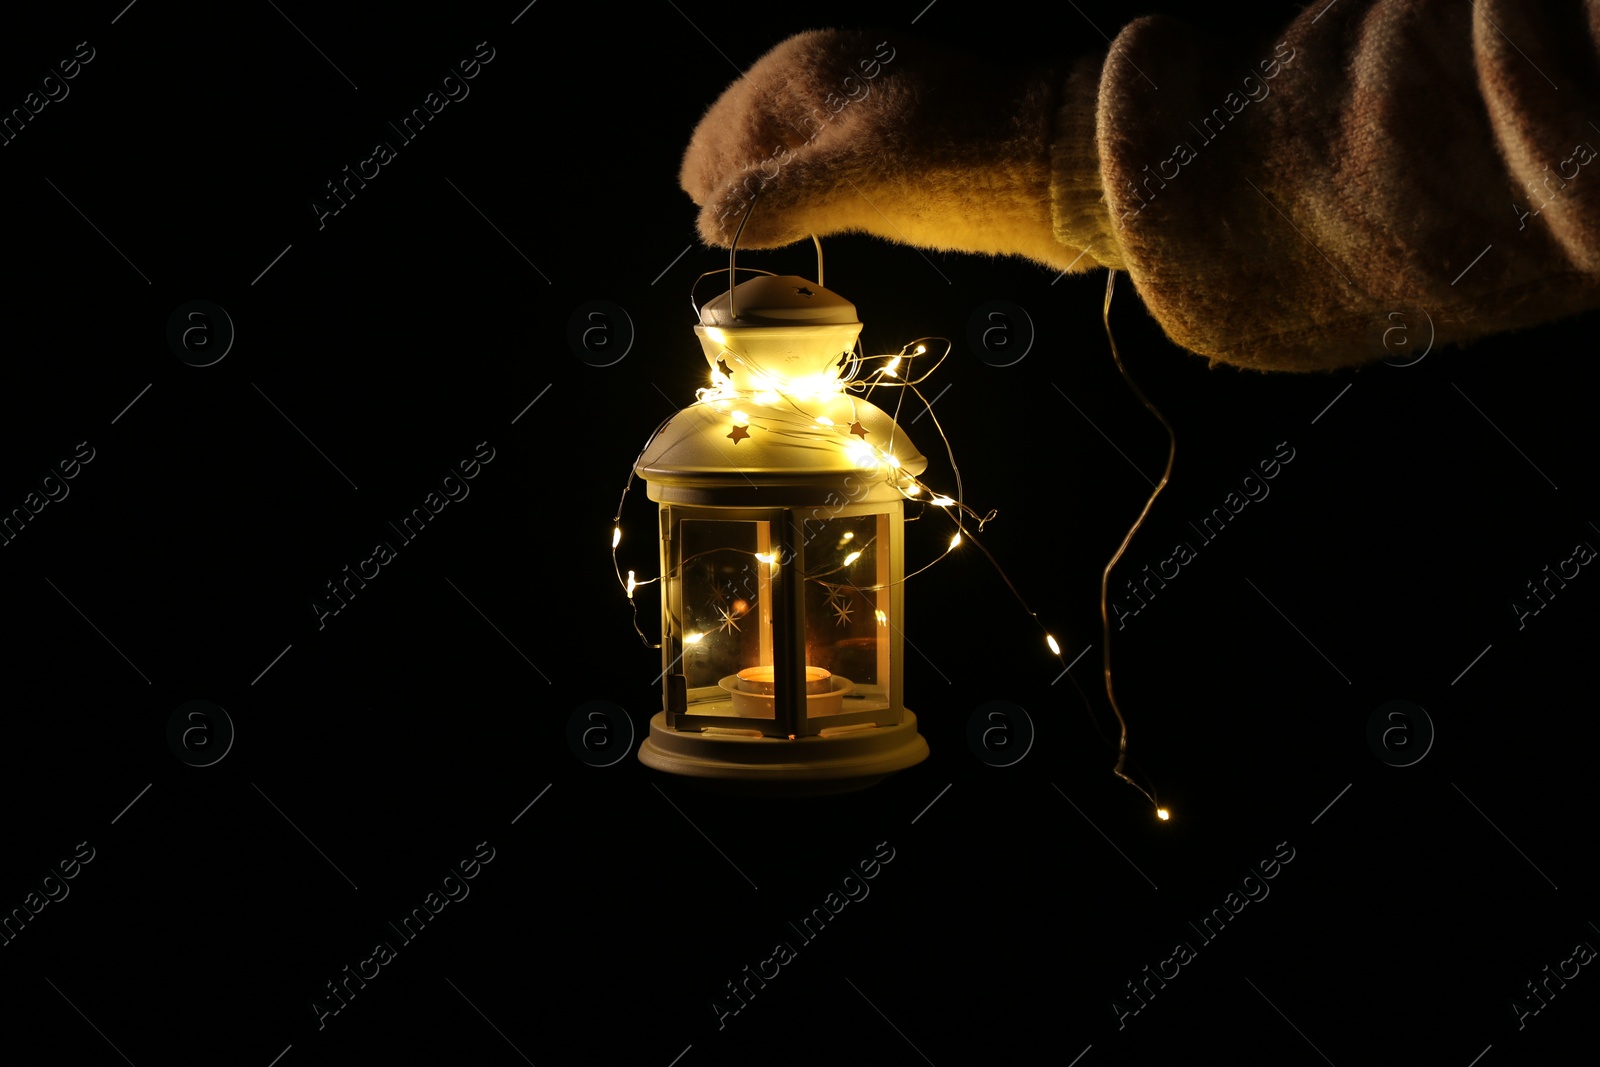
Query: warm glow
x=1051 y=641
x=894 y=364
x=741 y=419
x=771 y=389
x=913 y=490
x=769 y=558
x=883 y=620
x=1161 y=813
x=851 y=558
x=891 y=461
x=770 y=674
x=848 y=535
x=693 y=639
x=921 y=349
x=632 y=585
x=823 y=420
x=941 y=501
x=616 y=536
x=954 y=541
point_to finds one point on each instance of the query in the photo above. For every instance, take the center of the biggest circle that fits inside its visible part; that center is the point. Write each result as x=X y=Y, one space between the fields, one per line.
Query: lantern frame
x=781 y=623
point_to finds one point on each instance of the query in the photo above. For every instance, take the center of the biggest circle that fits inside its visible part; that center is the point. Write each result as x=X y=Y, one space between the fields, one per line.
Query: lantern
x=781 y=495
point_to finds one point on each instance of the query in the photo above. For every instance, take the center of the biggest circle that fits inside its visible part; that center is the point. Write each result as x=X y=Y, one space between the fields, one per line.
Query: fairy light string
x=1105 y=577
x=780 y=409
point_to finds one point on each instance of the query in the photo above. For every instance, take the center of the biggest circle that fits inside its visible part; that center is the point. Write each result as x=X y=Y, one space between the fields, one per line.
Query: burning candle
x=763 y=680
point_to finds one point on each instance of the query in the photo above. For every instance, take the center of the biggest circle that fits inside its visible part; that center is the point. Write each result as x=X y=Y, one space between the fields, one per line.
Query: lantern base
x=840 y=763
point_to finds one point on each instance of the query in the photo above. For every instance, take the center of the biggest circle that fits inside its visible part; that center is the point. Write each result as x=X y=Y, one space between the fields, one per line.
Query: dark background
x=373 y=753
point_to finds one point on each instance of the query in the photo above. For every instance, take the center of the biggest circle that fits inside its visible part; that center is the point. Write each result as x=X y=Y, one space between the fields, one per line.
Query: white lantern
x=781 y=498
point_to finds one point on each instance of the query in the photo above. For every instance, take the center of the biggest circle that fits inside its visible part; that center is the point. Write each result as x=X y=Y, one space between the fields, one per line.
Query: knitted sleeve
x=1276 y=203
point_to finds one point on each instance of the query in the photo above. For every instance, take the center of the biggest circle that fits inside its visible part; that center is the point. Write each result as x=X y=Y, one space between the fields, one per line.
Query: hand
x=836 y=131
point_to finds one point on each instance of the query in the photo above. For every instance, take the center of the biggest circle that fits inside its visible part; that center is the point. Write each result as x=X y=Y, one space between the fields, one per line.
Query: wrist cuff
x=1079 y=214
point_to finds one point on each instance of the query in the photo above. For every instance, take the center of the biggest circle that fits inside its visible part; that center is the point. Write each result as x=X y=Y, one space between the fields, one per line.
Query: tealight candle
x=764 y=680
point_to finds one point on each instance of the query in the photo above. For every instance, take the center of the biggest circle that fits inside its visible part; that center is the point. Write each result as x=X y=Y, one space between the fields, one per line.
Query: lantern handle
x=733 y=250
x=709 y=273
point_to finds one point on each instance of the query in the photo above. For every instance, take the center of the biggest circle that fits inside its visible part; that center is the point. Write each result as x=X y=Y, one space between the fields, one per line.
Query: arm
x=1275 y=207
x=1273 y=203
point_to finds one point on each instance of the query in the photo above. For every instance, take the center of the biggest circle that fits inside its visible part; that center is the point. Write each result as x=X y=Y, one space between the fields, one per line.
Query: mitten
x=842 y=131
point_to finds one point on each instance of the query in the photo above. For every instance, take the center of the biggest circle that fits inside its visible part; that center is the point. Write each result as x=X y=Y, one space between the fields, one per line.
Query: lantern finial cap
x=778 y=300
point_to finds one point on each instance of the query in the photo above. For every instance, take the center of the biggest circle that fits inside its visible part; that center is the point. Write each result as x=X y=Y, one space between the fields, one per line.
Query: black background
x=373 y=753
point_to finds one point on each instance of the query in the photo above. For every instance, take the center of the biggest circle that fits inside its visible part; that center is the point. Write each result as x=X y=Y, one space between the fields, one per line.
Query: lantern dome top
x=737 y=452
x=778 y=300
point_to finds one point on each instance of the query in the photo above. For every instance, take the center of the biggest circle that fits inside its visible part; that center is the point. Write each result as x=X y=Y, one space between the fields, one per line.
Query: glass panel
x=725 y=598
x=846 y=618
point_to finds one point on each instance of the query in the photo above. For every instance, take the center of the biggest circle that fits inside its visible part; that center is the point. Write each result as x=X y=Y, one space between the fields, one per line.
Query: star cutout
x=723 y=369
x=858 y=429
x=803 y=291
x=729 y=623
x=841 y=613
x=738 y=433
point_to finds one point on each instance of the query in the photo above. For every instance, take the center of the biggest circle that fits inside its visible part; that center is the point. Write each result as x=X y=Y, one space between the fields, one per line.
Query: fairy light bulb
x=954 y=541
x=941 y=501
x=894 y=365
x=693 y=639
x=1050 y=640
x=632 y=585
x=616 y=536
x=1163 y=814
x=741 y=419
x=851 y=558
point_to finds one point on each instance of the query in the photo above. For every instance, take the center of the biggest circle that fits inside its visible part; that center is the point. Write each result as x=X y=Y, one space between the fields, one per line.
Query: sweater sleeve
x=1277 y=204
